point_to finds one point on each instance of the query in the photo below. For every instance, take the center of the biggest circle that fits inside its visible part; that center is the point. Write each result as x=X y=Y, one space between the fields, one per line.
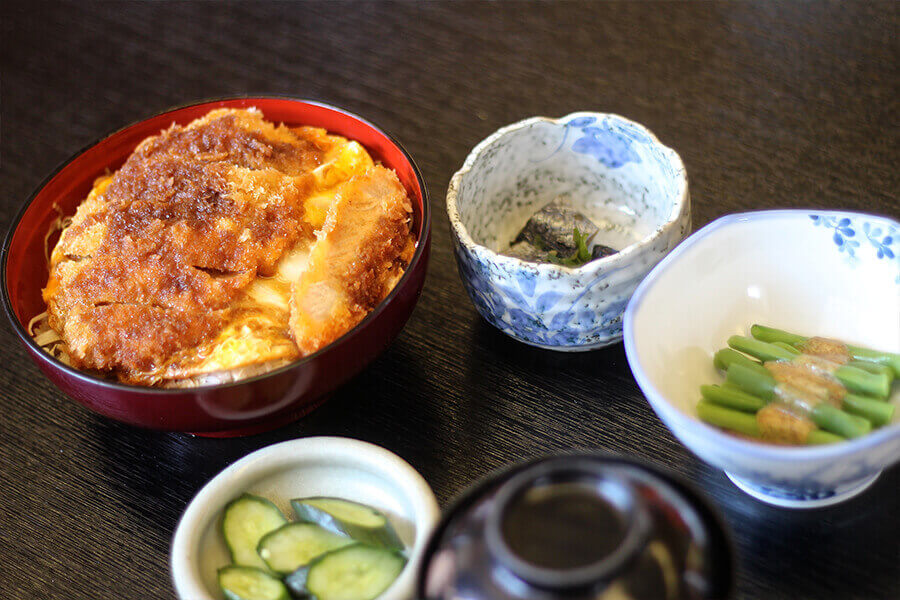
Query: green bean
x=770 y=334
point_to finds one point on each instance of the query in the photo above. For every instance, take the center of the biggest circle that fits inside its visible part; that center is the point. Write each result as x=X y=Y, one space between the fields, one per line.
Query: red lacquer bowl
x=250 y=405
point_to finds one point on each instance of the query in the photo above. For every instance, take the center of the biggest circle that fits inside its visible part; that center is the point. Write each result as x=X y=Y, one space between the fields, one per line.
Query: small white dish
x=614 y=171
x=315 y=466
x=827 y=273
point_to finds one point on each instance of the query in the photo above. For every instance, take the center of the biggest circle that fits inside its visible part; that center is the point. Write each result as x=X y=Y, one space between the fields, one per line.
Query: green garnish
x=581 y=255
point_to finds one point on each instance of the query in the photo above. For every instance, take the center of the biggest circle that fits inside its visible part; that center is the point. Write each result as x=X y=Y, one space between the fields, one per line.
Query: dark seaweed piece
x=558 y=234
x=601 y=251
x=551 y=228
x=525 y=251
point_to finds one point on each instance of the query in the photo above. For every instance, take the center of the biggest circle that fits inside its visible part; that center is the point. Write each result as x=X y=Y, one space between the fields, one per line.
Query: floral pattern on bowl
x=880 y=238
x=608 y=166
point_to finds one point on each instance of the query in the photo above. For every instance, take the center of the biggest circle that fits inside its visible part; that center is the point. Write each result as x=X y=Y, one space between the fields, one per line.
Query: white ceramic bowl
x=315 y=466
x=821 y=273
x=614 y=171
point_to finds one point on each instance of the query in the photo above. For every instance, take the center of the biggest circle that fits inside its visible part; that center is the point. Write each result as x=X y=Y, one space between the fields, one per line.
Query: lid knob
x=565 y=524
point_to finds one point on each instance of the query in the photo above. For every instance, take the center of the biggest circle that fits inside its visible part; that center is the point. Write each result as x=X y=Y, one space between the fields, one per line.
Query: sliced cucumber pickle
x=355 y=572
x=362 y=523
x=293 y=545
x=250 y=583
x=247 y=519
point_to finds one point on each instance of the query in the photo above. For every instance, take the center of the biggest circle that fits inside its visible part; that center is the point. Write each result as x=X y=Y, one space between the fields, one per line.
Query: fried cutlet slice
x=361 y=251
x=156 y=256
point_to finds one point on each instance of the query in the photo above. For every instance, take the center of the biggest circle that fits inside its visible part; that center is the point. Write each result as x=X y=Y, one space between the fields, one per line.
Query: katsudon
x=221 y=250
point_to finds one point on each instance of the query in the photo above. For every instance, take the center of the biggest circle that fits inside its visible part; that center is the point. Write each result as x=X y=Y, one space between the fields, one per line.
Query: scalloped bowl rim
x=23 y=335
x=679 y=204
x=728 y=442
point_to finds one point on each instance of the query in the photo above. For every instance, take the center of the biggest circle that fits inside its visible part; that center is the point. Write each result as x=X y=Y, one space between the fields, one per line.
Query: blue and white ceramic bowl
x=614 y=171
x=834 y=274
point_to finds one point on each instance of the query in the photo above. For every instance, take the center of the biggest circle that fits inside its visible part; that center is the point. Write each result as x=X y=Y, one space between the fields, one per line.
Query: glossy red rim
x=331 y=115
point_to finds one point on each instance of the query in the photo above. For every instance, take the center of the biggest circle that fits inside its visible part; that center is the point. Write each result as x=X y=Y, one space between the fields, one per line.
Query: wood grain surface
x=770 y=105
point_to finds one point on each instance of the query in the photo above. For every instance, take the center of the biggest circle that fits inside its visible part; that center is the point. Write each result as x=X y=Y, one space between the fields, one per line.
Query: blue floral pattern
x=830 y=480
x=843 y=233
x=612 y=145
x=794 y=494
x=607 y=146
x=880 y=238
x=519 y=305
x=882 y=244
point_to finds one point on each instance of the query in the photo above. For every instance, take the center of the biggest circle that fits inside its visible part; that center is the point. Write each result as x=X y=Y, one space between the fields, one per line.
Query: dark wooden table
x=769 y=105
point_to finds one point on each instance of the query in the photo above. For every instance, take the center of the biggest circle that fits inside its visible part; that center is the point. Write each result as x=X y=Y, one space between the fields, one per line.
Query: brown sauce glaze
x=780 y=423
x=803 y=383
x=833 y=350
x=226 y=137
x=189 y=221
x=804 y=386
x=119 y=334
